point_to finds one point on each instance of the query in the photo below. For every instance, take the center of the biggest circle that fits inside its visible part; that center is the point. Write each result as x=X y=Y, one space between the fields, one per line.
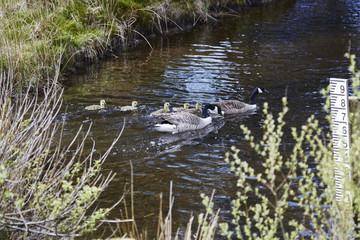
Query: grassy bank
x=37 y=35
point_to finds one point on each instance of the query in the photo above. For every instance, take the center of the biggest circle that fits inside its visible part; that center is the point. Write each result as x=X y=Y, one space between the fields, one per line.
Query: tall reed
x=207 y=223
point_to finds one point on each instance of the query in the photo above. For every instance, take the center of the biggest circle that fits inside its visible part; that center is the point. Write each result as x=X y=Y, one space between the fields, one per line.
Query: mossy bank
x=39 y=35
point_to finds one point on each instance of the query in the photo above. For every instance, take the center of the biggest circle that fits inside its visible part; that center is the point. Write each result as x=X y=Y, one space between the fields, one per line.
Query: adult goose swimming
x=235 y=106
x=183 y=121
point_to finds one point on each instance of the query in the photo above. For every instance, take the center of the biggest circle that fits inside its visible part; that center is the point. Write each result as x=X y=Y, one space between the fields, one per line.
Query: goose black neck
x=252 y=96
x=205 y=112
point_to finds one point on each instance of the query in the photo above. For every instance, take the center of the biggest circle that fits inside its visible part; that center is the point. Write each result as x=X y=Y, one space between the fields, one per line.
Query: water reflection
x=239 y=118
x=174 y=142
x=290 y=48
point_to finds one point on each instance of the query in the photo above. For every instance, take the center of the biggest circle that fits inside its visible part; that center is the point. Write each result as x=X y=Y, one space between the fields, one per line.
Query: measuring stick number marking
x=339 y=105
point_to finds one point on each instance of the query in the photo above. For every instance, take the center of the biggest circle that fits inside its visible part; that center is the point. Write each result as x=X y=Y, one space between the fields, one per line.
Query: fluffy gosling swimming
x=178 y=109
x=197 y=108
x=97 y=107
x=166 y=109
x=133 y=107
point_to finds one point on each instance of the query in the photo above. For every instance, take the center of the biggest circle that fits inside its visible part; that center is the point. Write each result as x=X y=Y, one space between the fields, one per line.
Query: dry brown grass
x=47 y=187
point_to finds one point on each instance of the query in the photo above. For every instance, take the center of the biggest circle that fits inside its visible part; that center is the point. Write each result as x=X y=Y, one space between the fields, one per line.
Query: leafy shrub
x=293 y=179
x=46 y=189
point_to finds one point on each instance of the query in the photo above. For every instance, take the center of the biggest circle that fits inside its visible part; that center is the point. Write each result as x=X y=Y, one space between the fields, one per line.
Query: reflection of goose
x=133 y=106
x=172 y=142
x=97 y=107
x=169 y=143
x=184 y=121
x=197 y=108
x=235 y=106
x=166 y=109
x=238 y=118
x=178 y=109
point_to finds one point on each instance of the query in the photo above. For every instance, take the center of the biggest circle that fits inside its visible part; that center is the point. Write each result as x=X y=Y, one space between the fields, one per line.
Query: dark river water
x=292 y=47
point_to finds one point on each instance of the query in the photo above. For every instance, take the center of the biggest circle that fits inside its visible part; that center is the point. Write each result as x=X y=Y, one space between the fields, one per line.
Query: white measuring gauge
x=341 y=134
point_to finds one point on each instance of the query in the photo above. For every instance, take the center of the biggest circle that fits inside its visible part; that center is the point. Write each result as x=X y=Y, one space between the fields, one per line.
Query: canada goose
x=133 y=106
x=235 y=106
x=184 y=121
x=178 y=109
x=166 y=109
x=197 y=108
x=97 y=107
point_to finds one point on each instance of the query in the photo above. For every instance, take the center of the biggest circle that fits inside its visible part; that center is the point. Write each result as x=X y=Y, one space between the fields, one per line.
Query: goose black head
x=255 y=92
x=213 y=109
x=261 y=90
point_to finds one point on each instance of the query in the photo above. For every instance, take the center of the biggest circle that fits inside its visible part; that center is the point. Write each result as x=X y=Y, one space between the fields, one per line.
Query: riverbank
x=38 y=36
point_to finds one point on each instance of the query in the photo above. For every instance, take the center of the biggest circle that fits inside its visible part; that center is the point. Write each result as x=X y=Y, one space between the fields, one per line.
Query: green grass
x=36 y=35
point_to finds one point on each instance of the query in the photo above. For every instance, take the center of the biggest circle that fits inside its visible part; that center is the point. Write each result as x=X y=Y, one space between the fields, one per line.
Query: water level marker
x=339 y=105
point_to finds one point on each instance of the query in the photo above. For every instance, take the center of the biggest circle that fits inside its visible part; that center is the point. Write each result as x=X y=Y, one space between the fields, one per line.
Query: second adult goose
x=166 y=109
x=184 y=121
x=235 y=106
